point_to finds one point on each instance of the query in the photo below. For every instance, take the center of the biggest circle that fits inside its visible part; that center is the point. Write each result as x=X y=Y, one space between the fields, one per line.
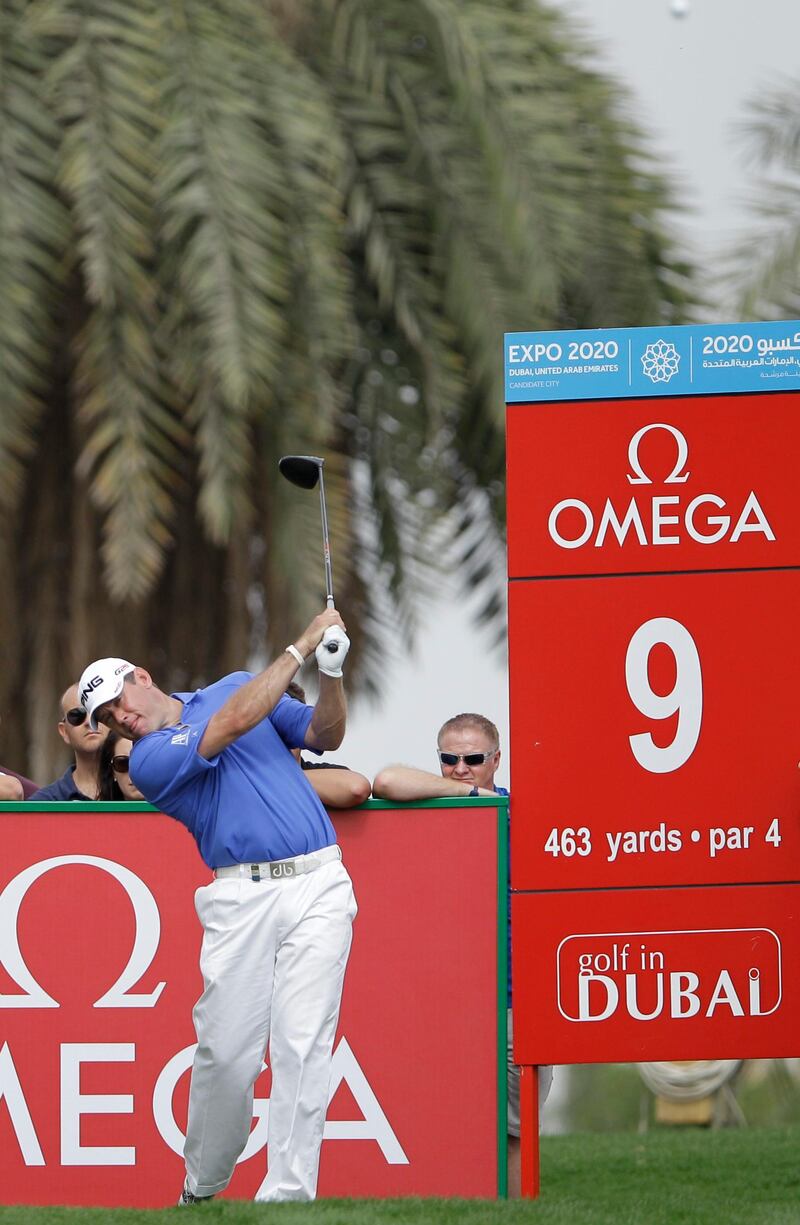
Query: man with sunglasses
x=469 y=757
x=80 y=781
x=278 y=913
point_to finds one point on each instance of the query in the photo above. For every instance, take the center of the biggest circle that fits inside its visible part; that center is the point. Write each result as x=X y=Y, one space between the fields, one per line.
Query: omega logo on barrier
x=73 y=1103
x=148 y=932
x=573 y=523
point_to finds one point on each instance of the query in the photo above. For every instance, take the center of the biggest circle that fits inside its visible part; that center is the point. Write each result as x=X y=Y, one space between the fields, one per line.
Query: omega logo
x=148 y=932
x=666 y=520
x=674 y=477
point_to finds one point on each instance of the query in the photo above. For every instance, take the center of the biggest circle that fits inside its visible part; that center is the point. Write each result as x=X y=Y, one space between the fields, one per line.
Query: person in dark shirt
x=80 y=780
x=342 y=789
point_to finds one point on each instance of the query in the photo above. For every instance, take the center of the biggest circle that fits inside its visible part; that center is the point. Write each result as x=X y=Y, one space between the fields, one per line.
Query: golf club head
x=302 y=470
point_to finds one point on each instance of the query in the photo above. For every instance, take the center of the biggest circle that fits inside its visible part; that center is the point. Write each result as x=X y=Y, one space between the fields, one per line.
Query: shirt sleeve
x=44 y=793
x=62 y=789
x=164 y=761
x=290 y=720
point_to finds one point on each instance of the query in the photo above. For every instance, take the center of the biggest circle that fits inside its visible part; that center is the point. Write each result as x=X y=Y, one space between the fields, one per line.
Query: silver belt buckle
x=283 y=869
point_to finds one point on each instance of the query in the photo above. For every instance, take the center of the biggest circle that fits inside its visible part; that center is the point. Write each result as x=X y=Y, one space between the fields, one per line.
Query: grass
x=684 y=1176
x=608 y=1097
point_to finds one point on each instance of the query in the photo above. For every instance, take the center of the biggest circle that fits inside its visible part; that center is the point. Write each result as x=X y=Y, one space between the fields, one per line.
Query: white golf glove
x=330 y=660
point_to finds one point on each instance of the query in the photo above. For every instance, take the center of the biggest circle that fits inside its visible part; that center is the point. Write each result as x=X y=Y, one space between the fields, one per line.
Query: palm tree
x=766 y=269
x=231 y=229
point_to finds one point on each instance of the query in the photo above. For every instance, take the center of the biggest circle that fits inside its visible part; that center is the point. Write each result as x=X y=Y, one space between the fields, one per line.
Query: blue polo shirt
x=250 y=802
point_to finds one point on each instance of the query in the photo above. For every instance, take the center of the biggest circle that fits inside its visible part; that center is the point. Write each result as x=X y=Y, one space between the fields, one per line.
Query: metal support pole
x=529 y=1132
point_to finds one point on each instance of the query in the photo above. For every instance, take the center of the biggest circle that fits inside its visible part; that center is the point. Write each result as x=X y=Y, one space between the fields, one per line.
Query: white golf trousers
x=273 y=961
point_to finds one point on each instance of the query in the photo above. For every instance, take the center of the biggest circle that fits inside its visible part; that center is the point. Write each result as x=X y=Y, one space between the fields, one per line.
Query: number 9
x=686 y=697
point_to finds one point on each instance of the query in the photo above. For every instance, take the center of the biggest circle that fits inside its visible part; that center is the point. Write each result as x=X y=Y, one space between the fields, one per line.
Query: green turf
x=666 y=1177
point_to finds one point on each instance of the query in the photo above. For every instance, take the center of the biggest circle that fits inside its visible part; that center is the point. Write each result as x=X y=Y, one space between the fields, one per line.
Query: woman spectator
x=114 y=777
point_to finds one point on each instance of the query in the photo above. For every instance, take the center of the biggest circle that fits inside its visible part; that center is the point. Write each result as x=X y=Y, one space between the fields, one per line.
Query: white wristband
x=293 y=651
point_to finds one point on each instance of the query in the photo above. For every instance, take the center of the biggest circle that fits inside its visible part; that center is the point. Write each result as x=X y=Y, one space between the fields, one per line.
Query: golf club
x=305 y=471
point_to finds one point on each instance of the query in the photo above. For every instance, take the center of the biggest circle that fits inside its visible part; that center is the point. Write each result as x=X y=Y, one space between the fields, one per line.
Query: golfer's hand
x=311 y=637
x=332 y=650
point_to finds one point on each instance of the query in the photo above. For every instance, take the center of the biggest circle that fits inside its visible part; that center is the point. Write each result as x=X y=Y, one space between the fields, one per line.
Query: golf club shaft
x=326 y=544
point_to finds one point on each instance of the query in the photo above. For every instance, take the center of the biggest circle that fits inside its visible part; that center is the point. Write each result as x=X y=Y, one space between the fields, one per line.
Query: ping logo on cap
x=89 y=686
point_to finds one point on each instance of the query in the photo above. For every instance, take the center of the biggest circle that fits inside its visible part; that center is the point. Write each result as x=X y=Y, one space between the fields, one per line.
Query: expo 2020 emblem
x=660 y=361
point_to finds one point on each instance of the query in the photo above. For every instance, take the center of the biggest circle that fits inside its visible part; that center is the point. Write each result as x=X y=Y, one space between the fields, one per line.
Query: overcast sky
x=689 y=78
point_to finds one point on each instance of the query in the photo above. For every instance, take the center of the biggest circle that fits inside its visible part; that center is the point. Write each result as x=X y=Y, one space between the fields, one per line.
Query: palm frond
x=314 y=156
x=34 y=237
x=771 y=130
x=764 y=270
x=224 y=211
x=103 y=86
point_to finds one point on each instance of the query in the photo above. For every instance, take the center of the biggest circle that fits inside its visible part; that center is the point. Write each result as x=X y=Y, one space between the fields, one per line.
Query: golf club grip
x=329 y=601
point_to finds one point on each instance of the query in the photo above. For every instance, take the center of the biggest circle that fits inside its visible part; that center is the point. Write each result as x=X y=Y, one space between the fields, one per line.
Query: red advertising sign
x=654 y=567
x=654 y=739
x=630 y=486
x=652 y=727
x=657 y=974
x=99 y=949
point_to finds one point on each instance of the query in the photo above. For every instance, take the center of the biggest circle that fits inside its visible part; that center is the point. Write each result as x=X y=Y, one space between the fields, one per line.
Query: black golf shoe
x=187 y=1199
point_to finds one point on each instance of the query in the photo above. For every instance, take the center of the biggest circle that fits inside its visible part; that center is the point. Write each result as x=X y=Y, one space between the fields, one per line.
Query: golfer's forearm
x=248 y=706
x=327 y=726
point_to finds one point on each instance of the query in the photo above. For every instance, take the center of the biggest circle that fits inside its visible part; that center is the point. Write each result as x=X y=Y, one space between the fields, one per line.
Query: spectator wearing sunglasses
x=80 y=780
x=469 y=757
x=114 y=770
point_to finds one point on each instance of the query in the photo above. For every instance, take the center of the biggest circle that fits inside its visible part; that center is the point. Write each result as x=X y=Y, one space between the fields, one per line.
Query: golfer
x=277 y=916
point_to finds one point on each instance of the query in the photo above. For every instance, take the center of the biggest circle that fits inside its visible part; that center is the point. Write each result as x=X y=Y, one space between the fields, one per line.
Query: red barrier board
x=648 y=974
x=653 y=734
x=621 y=487
x=99 y=972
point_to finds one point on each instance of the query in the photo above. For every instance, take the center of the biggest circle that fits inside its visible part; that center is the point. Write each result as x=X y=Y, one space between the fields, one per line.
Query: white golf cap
x=101 y=682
